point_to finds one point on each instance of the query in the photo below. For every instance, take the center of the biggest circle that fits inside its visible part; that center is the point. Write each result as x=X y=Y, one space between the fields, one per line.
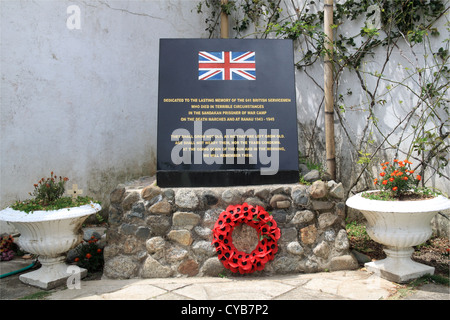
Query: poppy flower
x=256 y=217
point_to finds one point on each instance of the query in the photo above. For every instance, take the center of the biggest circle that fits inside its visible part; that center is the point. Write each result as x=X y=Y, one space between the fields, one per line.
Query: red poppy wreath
x=255 y=217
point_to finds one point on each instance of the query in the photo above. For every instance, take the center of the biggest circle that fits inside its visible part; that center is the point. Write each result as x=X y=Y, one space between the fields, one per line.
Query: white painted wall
x=83 y=102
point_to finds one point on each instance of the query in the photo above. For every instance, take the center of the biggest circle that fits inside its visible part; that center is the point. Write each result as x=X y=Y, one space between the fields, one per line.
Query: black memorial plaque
x=226 y=113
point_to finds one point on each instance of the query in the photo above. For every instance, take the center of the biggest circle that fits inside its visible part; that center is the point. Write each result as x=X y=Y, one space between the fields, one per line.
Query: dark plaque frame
x=183 y=104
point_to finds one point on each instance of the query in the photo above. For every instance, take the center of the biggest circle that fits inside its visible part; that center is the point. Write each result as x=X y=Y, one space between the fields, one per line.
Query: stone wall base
x=167 y=232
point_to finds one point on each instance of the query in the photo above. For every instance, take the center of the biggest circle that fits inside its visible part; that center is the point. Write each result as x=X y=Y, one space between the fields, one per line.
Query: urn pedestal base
x=398 y=266
x=53 y=273
x=398 y=226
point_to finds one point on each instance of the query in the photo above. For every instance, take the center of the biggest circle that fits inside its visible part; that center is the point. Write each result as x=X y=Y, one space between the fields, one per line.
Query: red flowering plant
x=90 y=255
x=262 y=222
x=6 y=248
x=396 y=179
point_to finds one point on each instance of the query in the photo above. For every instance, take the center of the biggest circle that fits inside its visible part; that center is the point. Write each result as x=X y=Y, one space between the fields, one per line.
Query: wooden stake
x=328 y=88
x=223 y=22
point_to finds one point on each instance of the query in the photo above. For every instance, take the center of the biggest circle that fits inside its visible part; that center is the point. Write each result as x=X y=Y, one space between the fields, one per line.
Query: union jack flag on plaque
x=226 y=65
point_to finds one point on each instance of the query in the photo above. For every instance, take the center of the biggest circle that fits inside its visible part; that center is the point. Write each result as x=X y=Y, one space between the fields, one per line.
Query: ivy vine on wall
x=414 y=32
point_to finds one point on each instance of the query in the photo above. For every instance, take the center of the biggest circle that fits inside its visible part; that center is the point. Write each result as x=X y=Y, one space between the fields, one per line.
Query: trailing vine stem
x=394 y=27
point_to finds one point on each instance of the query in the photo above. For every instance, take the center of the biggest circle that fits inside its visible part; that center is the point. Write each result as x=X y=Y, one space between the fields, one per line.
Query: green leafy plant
x=48 y=195
x=90 y=255
x=358 y=236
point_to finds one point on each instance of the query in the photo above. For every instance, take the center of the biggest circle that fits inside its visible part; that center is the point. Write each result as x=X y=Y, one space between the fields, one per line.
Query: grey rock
x=116 y=195
x=300 y=196
x=159 y=224
x=318 y=190
x=153 y=269
x=212 y=267
x=127 y=229
x=280 y=216
x=347 y=262
x=279 y=200
x=161 y=207
x=295 y=248
x=186 y=199
x=231 y=196
x=210 y=217
x=304 y=216
x=341 y=242
x=142 y=232
x=150 y=192
x=175 y=253
x=114 y=215
x=361 y=257
x=288 y=234
x=182 y=237
x=130 y=199
x=322 y=205
x=303 y=169
x=330 y=235
x=154 y=200
x=186 y=220
x=312 y=176
x=285 y=264
x=137 y=210
x=337 y=191
x=169 y=194
x=155 y=244
x=205 y=233
x=210 y=198
x=120 y=267
x=262 y=193
x=254 y=201
x=203 y=248
x=322 y=249
x=326 y=220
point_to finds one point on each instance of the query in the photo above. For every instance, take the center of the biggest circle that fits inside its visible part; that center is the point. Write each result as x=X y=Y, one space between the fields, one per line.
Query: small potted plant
x=398 y=216
x=49 y=226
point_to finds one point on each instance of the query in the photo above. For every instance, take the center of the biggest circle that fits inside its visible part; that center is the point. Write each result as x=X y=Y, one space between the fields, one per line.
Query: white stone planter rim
x=11 y=215
x=438 y=203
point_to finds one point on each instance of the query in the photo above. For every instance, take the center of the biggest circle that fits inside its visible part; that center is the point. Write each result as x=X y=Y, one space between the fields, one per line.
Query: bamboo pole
x=328 y=88
x=223 y=21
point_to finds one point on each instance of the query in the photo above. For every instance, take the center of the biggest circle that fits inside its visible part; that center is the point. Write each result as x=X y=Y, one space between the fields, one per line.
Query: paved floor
x=329 y=286
x=339 y=285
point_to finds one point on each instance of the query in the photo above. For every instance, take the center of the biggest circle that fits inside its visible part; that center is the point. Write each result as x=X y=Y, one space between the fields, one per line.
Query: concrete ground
x=339 y=285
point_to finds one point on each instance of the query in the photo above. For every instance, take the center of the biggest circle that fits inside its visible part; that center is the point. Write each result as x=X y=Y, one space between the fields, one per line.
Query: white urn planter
x=399 y=225
x=50 y=235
